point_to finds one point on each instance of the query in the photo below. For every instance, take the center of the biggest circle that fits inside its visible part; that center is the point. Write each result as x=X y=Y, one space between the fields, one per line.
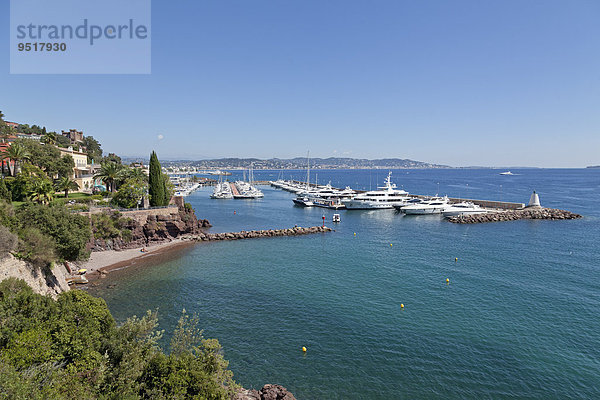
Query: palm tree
x=109 y=173
x=50 y=138
x=17 y=153
x=41 y=191
x=64 y=184
x=133 y=173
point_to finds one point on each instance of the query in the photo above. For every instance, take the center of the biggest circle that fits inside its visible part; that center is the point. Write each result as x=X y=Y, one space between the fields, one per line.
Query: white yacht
x=464 y=208
x=506 y=173
x=386 y=197
x=435 y=205
x=222 y=191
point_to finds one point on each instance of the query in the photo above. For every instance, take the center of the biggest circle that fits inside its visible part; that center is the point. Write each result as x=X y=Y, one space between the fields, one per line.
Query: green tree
x=109 y=173
x=40 y=190
x=93 y=149
x=65 y=184
x=156 y=183
x=5 y=194
x=72 y=348
x=71 y=232
x=50 y=138
x=130 y=193
x=16 y=153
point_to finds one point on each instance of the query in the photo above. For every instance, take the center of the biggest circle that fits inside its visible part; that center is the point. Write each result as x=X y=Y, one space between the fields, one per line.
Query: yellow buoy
x=455 y=259
x=303 y=349
x=354 y=233
x=447 y=280
x=390 y=245
x=401 y=305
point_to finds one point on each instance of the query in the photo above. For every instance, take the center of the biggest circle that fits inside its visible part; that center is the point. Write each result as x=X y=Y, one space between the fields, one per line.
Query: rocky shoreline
x=268 y=392
x=296 y=231
x=513 y=215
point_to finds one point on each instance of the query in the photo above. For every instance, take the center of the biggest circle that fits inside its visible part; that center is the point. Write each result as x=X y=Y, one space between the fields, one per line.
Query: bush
x=72 y=348
x=8 y=242
x=36 y=247
x=5 y=194
x=71 y=232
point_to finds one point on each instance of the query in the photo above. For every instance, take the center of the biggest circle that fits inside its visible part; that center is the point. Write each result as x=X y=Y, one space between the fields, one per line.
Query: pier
x=234 y=189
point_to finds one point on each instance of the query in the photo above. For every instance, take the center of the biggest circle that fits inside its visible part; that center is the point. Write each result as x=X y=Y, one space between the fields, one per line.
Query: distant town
x=294 y=163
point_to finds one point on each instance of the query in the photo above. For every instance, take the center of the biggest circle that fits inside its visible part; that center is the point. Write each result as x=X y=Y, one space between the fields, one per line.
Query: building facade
x=83 y=173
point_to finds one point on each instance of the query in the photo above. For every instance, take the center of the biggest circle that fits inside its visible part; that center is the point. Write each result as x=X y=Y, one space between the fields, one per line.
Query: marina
x=526 y=272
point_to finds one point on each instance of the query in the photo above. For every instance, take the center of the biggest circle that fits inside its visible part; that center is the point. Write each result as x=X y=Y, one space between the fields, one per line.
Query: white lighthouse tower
x=534 y=200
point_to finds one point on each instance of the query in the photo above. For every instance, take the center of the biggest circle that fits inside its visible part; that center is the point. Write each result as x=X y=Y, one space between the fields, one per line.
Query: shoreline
x=102 y=262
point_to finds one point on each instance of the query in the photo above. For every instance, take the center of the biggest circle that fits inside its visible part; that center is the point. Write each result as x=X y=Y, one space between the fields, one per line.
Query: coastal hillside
x=301 y=162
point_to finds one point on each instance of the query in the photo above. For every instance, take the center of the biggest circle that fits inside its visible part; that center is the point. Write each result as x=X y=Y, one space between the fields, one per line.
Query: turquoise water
x=519 y=319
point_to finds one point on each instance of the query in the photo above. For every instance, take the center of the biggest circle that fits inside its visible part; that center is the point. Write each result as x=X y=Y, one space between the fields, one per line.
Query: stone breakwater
x=297 y=231
x=527 y=213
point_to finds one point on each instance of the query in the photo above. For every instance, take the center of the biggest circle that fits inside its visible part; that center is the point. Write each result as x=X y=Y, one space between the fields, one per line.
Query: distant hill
x=300 y=162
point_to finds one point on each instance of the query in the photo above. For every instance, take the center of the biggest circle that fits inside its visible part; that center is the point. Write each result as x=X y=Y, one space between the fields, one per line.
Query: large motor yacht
x=464 y=208
x=435 y=205
x=386 y=197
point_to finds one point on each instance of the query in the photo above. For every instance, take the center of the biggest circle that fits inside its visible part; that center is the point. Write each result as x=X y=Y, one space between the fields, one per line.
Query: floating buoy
x=390 y=245
x=401 y=305
x=354 y=233
x=233 y=212
x=303 y=349
x=455 y=259
x=447 y=281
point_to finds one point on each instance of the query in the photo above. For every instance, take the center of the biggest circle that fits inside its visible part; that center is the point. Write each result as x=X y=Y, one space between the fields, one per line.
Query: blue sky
x=495 y=83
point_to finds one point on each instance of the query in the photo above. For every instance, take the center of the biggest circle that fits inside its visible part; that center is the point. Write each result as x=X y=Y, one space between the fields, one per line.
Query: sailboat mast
x=307 y=171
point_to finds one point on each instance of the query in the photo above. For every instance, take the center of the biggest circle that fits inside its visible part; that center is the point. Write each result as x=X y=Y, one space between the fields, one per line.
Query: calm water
x=519 y=319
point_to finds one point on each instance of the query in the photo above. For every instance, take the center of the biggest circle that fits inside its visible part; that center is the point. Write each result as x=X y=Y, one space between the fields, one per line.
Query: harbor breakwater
x=296 y=231
x=513 y=215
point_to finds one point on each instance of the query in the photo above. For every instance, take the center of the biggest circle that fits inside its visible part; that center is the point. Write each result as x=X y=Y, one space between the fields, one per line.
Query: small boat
x=336 y=218
x=464 y=208
x=506 y=173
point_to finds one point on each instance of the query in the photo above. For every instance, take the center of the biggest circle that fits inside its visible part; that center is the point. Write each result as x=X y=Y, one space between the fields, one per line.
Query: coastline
x=102 y=262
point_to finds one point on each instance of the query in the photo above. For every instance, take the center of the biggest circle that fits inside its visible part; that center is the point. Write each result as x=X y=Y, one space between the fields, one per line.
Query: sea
x=518 y=319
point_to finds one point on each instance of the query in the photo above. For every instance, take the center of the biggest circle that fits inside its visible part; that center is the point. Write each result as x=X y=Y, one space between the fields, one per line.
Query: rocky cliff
x=46 y=282
x=151 y=226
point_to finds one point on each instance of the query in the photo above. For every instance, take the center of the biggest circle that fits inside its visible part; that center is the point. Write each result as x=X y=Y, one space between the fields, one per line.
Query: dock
x=234 y=189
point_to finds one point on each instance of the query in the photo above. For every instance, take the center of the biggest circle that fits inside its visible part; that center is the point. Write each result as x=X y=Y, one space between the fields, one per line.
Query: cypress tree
x=156 y=186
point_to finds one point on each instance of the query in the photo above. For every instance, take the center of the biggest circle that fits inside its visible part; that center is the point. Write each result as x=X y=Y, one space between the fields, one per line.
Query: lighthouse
x=534 y=200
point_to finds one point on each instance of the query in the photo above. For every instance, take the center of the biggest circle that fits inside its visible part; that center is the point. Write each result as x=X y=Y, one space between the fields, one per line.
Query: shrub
x=71 y=232
x=72 y=348
x=5 y=194
x=36 y=247
x=8 y=242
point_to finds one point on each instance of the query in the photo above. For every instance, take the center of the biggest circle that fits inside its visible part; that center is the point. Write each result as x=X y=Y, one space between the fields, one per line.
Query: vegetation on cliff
x=72 y=348
x=45 y=233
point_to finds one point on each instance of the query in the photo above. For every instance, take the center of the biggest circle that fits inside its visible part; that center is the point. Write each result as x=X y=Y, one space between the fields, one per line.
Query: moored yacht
x=435 y=205
x=386 y=197
x=464 y=208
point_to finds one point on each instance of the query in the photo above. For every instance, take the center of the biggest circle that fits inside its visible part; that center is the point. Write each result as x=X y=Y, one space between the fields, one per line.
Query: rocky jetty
x=268 y=392
x=512 y=215
x=297 y=231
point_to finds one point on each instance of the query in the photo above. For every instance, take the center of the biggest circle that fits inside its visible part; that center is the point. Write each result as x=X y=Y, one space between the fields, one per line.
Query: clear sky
x=494 y=83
